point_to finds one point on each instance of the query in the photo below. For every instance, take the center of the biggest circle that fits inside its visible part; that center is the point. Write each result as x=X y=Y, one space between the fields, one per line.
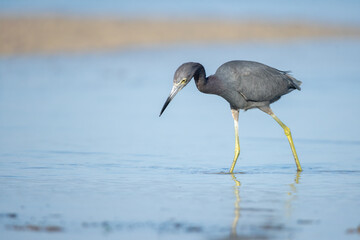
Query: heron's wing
x=262 y=83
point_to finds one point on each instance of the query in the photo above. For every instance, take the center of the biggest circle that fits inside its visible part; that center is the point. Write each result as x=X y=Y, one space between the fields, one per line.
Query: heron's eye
x=183 y=81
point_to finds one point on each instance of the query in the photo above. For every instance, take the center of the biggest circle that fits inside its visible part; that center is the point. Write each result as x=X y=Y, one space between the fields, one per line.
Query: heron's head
x=182 y=77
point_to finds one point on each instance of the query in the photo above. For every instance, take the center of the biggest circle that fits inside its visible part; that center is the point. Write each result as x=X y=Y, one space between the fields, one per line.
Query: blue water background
x=81 y=140
x=82 y=147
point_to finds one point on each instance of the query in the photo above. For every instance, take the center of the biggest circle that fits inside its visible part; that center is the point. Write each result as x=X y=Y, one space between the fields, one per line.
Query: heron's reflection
x=292 y=193
x=296 y=181
x=237 y=206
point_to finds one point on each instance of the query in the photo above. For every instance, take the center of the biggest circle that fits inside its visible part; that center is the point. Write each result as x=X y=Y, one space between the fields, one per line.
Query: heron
x=244 y=85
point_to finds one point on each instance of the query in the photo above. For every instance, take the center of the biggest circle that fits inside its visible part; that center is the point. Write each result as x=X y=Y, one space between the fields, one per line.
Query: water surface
x=83 y=153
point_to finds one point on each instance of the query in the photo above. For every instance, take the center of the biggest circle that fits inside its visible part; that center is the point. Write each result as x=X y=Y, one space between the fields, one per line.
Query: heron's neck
x=200 y=78
x=206 y=84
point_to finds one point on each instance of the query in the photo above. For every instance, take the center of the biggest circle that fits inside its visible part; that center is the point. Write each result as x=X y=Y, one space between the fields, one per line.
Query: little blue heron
x=245 y=85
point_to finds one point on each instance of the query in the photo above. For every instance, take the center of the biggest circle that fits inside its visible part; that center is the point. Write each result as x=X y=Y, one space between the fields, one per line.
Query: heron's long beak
x=175 y=89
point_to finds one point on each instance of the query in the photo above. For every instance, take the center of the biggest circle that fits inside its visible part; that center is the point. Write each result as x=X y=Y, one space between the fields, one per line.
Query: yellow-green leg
x=288 y=135
x=268 y=110
x=235 y=114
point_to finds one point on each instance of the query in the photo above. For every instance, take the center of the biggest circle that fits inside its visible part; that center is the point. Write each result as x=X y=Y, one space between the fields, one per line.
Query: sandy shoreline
x=20 y=35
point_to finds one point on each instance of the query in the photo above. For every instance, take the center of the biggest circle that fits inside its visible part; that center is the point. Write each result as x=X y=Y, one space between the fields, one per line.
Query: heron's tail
x=294 y=82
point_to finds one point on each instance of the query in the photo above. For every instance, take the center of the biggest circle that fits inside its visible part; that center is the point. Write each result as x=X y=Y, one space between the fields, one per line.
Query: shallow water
x=83 y=153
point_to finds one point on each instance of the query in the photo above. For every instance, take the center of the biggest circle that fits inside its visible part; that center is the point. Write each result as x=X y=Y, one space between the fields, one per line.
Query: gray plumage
x=245 y=85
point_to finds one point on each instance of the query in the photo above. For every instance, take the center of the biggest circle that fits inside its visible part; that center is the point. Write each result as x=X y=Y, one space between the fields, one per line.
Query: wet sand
x=50 y=34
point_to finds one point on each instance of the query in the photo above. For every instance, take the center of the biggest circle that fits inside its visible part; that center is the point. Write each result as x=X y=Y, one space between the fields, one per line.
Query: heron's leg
x=287 y=133
x=235 y=114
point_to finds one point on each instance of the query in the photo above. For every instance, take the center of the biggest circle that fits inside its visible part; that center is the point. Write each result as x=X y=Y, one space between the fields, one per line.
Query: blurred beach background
x=84 y=155
x=59 y=26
